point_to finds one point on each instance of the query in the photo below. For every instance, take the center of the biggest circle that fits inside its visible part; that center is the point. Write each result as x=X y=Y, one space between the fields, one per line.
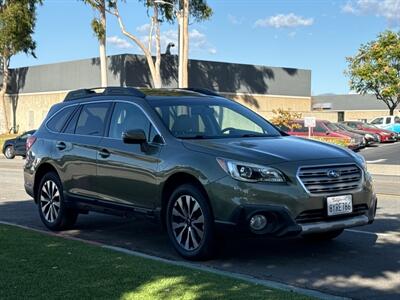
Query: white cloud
x=119 y=43
x=388 y=9
x=143 y=28
x=284 y=21
x=234 y=20
x=292 y=34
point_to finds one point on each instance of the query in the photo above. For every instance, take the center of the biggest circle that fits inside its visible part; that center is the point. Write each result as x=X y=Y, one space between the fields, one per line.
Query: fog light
x=258 y=222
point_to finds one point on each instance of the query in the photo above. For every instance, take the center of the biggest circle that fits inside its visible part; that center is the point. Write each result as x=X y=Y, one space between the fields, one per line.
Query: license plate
x=339 y=205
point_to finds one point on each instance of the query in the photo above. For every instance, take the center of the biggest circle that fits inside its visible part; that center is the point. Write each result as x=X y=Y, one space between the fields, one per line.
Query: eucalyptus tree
x=99 y=26
x=17 y=25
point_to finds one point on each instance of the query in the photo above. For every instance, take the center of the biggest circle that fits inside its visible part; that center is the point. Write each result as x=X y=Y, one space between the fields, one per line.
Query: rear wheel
x=9 y=152
x=190 y=223
x=52 y=210
x=323 y=236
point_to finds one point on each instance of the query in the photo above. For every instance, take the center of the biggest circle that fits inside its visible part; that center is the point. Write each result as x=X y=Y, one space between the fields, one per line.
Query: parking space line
x=376 y=161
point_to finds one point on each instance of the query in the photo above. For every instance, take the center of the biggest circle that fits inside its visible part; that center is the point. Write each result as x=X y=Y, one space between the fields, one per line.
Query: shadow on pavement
x=354 y=265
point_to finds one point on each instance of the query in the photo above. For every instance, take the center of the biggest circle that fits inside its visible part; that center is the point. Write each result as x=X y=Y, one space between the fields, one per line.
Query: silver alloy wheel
x=50 y=201
x=187 y=222
x=9 y=152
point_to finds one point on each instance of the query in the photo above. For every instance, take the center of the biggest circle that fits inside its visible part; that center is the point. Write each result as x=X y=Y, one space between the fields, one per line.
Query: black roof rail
x=112 y=90
x=203 y=91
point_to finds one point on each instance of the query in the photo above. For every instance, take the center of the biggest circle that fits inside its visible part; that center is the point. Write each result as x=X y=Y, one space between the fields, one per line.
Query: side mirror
x=134 y=136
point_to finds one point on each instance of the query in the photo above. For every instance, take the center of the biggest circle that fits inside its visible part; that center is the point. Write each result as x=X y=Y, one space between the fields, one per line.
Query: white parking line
x=376 y=161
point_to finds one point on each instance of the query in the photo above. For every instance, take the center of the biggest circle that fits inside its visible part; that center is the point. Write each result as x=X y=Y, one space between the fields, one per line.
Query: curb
x=267 y=283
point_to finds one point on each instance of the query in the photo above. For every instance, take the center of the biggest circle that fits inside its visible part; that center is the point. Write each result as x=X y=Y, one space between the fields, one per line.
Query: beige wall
x=31 y=109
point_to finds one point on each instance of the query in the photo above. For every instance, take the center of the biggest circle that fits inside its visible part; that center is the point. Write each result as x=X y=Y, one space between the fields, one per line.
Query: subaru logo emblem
x=333 y=174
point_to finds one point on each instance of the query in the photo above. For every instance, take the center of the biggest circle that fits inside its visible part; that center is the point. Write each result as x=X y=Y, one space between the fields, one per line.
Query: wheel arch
x=43 y=169
x=174 y=181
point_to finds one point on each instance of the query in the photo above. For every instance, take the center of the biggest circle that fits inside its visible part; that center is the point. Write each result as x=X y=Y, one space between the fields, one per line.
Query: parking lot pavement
x=363 y=263
x=386 y=154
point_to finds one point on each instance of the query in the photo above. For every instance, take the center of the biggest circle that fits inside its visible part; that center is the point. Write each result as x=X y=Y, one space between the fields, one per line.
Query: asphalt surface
x=387 y=154
x=363 y=263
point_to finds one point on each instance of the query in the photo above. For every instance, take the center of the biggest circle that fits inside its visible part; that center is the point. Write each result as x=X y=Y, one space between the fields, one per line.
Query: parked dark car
x=16 y=146
x=369 y=137
x=197 y=162
x=384 y=135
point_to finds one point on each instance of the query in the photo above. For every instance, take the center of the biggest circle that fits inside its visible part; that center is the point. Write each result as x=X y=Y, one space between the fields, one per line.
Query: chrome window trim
x=103 y=136
x=327 y=165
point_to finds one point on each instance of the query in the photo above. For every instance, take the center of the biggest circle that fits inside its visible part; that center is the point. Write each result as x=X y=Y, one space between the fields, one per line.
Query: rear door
x=127 y=172
x=77 y=147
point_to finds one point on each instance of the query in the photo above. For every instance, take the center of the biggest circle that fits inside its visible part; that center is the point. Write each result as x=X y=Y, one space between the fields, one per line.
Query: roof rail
x=203 y=91
x=112 y=90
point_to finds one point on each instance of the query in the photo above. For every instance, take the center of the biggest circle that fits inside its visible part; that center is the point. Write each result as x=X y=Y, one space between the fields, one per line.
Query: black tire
x=9 y=152
x=51 y=205
x=201 y=221
x=323 y=236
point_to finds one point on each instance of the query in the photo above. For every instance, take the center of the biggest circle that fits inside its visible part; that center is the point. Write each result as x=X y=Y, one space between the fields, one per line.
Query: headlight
x=369 y=136
x=250 y=172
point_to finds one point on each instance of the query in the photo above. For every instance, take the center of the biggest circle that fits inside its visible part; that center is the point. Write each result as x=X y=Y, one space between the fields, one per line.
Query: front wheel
x=323 y=236
x=190 y=224
x=52 y=210
x=9 y=152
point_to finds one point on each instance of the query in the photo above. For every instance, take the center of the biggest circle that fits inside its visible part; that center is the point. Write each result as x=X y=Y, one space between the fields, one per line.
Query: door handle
x=61 y=146
x=104 y=153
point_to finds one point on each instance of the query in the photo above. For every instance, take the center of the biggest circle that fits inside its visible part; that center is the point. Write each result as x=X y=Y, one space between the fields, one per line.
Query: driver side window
x=125 y=117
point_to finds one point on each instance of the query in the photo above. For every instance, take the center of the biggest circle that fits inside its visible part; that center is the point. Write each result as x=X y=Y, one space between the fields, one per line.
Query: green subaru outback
x=199 y=163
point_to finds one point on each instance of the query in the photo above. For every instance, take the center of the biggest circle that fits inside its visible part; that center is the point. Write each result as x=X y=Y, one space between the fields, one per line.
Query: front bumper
x=289 y=208
x=281 y=224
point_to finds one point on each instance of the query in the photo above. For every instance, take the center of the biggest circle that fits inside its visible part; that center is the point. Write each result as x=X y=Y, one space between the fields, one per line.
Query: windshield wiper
x=194 y=137
x=255 y=135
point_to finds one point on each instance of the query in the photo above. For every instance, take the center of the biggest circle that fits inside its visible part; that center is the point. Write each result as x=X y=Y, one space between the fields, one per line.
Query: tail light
x=29 y=142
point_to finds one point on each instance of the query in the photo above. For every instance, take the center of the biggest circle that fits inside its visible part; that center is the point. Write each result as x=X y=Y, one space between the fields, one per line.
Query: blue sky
x=312 y=34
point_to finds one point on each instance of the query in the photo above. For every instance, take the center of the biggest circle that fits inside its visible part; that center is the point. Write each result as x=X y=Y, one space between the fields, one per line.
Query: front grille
x=319 y=215
x=317 y=181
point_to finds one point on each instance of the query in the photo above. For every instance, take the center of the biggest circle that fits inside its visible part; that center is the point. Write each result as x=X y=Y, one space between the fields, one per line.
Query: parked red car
x=385 y=135
x=327 y=129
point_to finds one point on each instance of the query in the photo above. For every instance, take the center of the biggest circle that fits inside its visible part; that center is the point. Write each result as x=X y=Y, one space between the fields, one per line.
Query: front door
x=127 y=173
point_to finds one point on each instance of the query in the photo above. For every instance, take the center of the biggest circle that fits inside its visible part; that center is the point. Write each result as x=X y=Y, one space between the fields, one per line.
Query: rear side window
x=92 y=119
x=58 y=120
x=70 y=128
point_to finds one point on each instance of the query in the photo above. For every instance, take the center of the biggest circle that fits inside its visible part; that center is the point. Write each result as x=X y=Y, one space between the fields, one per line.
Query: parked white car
x=391 y=123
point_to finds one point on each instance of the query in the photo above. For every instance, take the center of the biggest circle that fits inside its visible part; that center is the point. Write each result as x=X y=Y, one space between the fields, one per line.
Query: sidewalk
x=390 y=170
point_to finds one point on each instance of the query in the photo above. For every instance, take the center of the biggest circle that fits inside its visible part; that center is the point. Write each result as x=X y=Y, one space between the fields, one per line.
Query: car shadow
x=354 y=265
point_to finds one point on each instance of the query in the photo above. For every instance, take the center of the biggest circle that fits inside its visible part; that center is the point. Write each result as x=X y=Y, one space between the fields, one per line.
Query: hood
x=268 y=150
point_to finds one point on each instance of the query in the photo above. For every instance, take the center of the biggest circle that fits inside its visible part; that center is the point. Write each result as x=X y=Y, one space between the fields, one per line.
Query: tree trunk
x=391 y=110
x=158 y=47
x=185 y=48
x=102 y=46
x=4 y=126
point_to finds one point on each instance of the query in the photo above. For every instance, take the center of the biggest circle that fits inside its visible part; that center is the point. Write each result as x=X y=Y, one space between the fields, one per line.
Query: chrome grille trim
x=315 y=180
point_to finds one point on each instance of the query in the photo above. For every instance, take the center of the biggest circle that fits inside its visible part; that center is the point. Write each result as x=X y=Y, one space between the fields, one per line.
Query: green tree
x=17 y=24
x=99 y=27
x=376 y=69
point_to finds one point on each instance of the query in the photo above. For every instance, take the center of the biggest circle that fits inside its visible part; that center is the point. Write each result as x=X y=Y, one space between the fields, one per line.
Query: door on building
x=340 y=116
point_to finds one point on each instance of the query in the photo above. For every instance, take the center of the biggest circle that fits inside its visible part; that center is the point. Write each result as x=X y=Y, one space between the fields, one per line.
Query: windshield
x=211 y=118
x=344 y=127
x=366 y=125
x=332 y=126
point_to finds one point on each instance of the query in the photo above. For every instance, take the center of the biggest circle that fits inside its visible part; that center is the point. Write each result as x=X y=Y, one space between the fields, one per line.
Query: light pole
x=180 y=15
